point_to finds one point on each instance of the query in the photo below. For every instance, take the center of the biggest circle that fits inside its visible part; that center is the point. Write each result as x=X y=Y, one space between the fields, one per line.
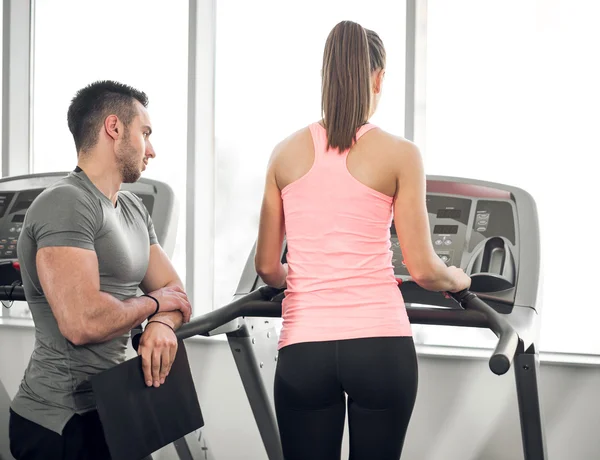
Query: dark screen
x=448 y=213
x=445 y=229
x=5 y=199
x=24 y=199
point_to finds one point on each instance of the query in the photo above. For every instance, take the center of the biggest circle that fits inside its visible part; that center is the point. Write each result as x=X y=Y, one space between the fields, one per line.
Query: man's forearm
x=108 y=317
x=173 y=318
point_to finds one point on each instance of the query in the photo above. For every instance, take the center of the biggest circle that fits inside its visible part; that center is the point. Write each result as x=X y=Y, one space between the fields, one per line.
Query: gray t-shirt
x=73 y=212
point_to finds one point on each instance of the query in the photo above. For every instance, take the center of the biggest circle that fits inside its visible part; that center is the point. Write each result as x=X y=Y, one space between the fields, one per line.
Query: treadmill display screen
x=448 y=213
x=445 y=229
x=24 y=199
x=5 y=199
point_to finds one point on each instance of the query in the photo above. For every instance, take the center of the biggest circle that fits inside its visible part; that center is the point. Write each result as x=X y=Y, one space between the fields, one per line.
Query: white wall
x=463 y=411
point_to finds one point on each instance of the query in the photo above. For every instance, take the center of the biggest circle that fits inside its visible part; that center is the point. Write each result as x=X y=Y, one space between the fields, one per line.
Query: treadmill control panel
x=13 y=206
x=458 y=226
x=449 y=220
x=474 y=228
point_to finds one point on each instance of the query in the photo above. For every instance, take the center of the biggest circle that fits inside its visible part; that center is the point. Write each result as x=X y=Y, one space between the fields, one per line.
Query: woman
x=332 y=189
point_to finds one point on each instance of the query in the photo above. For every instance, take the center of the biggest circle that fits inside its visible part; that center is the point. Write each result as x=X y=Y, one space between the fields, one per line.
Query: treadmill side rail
x=253 y=352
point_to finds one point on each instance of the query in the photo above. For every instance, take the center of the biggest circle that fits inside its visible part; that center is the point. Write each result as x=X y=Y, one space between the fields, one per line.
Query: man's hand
x=158 y=347
x=173 y=298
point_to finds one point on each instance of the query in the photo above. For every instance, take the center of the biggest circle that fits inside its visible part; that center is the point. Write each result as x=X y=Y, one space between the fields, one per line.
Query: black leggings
x=380 y=377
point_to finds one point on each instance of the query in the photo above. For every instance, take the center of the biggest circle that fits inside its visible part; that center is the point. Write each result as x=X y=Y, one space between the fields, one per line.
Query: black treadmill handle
x=265 y=302
x=257 y=303
x=508 y=339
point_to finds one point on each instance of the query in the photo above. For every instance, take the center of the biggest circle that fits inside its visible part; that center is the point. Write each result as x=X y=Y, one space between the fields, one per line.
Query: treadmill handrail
x=508 y=339
x=266 y=302
x=258 y=303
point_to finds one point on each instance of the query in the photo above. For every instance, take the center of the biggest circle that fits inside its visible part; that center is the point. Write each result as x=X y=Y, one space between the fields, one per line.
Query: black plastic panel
x=5 y=199
x=493 y=218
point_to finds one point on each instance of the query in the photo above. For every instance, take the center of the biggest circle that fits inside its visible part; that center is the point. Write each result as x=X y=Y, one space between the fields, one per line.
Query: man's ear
x=112 y=126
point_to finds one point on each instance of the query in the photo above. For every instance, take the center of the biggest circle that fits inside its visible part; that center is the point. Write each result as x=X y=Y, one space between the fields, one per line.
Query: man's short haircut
x=92 y=104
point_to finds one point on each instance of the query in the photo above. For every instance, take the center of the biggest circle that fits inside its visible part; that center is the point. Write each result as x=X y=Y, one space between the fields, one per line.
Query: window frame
x=18 y=128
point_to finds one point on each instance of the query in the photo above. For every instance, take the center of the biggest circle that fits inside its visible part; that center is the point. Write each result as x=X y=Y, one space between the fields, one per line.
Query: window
x=268 y=85
x=143 y=44
x=511 y=99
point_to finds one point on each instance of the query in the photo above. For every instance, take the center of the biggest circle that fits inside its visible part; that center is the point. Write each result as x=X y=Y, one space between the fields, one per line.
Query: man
x=84 y=250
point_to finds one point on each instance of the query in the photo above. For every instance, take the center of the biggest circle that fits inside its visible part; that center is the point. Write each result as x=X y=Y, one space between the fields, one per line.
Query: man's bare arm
x=71 y=282
x=158 y=344
x=160 y=274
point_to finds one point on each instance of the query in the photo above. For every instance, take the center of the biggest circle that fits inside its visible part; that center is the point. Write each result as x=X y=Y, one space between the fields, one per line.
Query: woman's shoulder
x=388 y=143
x=299 y=140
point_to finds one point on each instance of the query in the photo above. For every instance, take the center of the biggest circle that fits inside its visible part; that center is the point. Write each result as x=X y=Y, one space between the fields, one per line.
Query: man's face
x=135 y=149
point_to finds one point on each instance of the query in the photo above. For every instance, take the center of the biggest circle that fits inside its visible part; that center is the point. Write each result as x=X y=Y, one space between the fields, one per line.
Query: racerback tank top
x=341 y=282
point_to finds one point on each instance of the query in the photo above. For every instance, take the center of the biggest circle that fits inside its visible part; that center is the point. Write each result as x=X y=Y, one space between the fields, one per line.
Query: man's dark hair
x=92 y=104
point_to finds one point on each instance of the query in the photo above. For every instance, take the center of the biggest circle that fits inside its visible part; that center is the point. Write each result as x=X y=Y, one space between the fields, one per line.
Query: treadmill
x=488 y=229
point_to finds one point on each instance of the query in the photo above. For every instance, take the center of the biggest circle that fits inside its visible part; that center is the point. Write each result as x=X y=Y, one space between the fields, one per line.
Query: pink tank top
x=341 y=282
